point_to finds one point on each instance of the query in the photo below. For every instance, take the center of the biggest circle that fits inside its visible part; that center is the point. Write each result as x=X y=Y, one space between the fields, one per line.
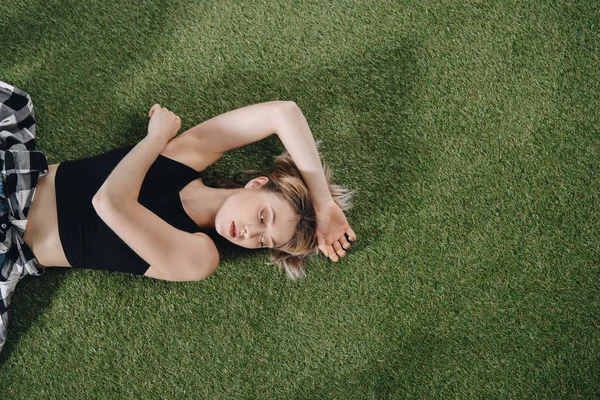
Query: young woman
x=144 y=209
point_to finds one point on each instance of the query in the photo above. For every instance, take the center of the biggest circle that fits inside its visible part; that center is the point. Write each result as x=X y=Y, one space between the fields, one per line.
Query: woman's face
x=255 y=218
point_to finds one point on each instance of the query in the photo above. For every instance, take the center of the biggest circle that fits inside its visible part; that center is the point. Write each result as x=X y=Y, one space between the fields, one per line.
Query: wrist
x=156 y=141
x=322 y=203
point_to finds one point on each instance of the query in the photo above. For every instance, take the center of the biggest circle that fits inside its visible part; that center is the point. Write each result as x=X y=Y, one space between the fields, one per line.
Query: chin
x=222 y=231
x=220 y=226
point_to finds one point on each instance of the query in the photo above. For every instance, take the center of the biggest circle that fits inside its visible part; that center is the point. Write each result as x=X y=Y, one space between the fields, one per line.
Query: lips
x=232 y=230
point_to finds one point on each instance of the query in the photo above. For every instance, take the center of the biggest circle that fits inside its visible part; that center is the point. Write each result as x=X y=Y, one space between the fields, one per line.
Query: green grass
x=470 y=131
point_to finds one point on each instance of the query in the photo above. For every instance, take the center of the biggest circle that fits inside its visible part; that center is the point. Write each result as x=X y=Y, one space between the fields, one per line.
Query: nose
x=250 y=231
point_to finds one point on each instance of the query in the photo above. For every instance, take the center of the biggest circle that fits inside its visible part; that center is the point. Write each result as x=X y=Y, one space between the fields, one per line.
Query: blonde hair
x=285 y=179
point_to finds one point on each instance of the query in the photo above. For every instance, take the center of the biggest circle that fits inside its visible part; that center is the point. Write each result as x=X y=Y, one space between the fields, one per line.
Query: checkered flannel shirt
x=20 y=169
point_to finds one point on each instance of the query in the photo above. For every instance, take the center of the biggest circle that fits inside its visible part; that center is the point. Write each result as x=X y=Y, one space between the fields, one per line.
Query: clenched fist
x=164 y=124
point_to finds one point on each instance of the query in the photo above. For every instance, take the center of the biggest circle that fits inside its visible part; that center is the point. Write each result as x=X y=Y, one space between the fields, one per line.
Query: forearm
x=125 y=181
x=298 y=140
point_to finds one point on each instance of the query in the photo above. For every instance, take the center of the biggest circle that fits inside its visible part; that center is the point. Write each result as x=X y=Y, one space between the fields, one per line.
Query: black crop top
x=87 y=241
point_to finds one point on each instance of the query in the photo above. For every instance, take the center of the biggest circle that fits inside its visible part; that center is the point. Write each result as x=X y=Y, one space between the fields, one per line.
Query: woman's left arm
x=332 y=225
x=237 y=128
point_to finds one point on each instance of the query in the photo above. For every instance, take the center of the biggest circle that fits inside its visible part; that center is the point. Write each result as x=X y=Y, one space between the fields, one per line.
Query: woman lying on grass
x=274 y=212
x=143 y=209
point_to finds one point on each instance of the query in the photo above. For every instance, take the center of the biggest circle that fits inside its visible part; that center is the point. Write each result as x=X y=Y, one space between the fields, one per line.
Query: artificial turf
x=470 y=132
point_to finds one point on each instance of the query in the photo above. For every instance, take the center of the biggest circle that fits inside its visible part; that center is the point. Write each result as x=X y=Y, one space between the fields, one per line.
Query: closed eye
x=261 y=218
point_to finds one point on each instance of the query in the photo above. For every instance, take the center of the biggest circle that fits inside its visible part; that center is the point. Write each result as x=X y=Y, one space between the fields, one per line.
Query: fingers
x=338 y=250
x=351 y=235
x=157 y=107
x=344 y=243
x=334 y=252
x=153 y=109
x=329 y=252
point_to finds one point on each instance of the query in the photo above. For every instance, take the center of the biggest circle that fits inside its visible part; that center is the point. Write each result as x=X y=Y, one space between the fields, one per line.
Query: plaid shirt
x=20 y=169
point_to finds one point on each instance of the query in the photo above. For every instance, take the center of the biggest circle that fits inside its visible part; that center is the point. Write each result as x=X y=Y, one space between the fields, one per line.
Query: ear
x=257 y=183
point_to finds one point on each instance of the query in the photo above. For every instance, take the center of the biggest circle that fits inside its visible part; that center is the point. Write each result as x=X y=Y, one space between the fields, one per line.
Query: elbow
x=105 y=205
x=103 y=200
x=288 y=113
x=288 y=108
x=100 y=202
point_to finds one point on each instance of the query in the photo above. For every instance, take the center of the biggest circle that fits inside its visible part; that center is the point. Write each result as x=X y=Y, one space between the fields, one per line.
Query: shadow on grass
x=70 y=40
x=72 y=56
x=31 y=297
x=405 y=371
x=359 y=108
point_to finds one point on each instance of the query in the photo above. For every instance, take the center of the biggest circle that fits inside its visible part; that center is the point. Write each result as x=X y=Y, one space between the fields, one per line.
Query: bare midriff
x=41 y=233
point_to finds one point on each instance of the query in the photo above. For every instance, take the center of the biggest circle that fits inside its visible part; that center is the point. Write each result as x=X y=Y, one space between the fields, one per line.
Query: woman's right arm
x=237 y=128
x=171 y=253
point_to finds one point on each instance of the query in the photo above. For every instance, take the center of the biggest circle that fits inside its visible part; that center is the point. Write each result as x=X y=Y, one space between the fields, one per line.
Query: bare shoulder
x=207 y=248
x=204 y=257
x=203 y=260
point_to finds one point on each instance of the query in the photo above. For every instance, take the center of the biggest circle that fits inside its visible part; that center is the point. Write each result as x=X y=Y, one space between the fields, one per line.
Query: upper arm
x=177 y=255
x=205 y=143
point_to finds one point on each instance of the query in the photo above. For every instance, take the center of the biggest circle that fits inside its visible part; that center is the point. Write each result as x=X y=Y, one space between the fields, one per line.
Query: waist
x=41 y=233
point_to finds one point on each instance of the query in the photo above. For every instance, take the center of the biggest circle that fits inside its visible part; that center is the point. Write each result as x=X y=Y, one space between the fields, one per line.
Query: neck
x=202 y=203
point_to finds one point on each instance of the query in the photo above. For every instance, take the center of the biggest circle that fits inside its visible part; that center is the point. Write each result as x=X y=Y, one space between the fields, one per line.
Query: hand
x=332 y=229
x=163 y=124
